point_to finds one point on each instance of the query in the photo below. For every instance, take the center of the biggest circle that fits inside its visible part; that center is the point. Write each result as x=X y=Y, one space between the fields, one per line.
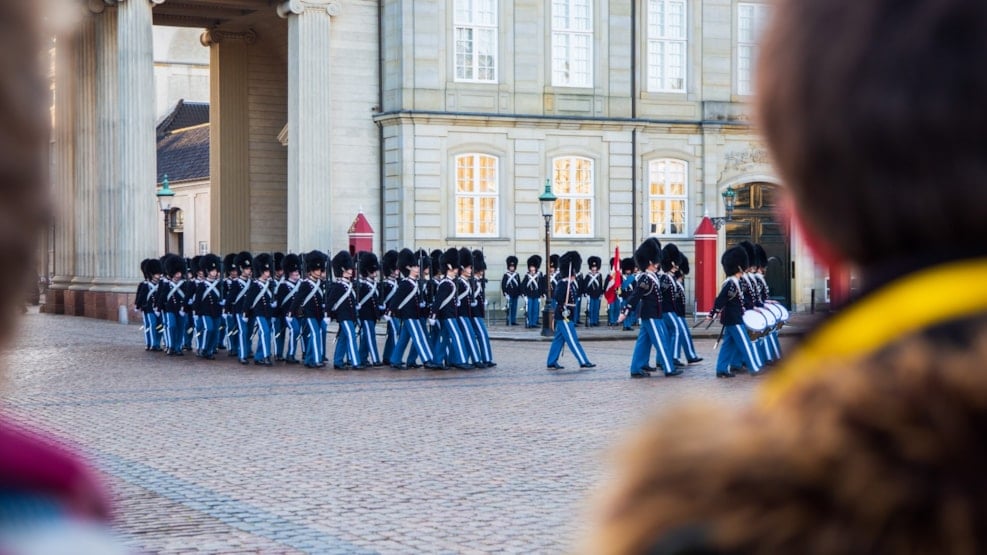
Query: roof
x=360 y=225
x=184 y=114
x=183 y=155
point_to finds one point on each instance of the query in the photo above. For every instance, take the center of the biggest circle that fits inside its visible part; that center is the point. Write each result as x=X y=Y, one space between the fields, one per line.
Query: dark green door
x=756 y=219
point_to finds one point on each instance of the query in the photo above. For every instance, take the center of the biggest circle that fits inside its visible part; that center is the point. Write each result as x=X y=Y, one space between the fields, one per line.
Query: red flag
x=615 y=278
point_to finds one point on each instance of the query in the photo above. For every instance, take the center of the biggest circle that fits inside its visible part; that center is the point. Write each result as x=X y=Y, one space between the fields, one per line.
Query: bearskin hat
x=209 y=262
x=153 y=267
x=229 y=262
x=263 y=262
x=406 y=259
x=511 y=261
x=734 y=260
x=436 y=256
x=534 y=260
x=648 y=253
x=760 y=256
x=627 y=265
x=389 y=262
x=173 y=264
x=314 y=260
x=368 y=263
x=684 y=263
x=278 y=261
x=669 y=255
x=553 y=261
x=193 y=266
x=449 y=259
x=244 y=260
x=570 y=263
x=465 y=258
x=144 y=267
x=291 y=263
x=594 y=262
x=749 y=249
x=479 y=264
x=341 y=262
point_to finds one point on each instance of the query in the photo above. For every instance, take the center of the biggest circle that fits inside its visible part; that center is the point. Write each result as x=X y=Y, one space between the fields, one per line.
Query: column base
x=103 y=305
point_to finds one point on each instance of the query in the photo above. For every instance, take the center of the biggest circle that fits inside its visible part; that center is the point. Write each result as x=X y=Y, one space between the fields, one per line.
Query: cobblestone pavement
x=215 y=457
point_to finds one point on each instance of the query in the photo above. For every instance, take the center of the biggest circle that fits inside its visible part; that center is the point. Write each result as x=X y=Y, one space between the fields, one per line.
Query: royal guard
x=258 y=306
x=592 y=286
x=286 y=347
x=510 y=286
x=405 y=307
x=341 y=302
x=209 y=304
x=389 y=288
x=237 y=301
x=479 y=310
x=736 y=346
x=445 y=313
x=464 y=296
x=368 y=309
x=172 y=301
x=308 y=307
x=646 y=299
x=229 y=330
x=145 y=302
x=565 y=303
x=533 y=287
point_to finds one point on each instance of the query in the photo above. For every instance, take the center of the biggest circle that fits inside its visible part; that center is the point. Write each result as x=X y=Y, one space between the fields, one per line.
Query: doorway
x=756 y=219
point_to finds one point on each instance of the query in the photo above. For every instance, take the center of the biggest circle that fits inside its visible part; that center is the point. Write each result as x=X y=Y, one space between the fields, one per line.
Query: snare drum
x=771 y=318
x=781 y=311
x=755 y=323
x=775 y=311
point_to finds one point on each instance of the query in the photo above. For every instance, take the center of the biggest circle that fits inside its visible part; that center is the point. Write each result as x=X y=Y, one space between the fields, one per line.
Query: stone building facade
x=441 y=120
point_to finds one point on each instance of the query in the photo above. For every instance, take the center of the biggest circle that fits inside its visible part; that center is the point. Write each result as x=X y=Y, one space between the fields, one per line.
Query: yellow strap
x=915 y=302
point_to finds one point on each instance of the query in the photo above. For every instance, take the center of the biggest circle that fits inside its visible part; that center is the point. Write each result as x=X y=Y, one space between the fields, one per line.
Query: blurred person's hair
x=24 y=140
x=874 y=113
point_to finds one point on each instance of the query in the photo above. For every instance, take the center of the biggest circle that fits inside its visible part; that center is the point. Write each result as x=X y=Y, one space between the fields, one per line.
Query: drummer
x=736 y=348
x=771 y=349
x=753 y=301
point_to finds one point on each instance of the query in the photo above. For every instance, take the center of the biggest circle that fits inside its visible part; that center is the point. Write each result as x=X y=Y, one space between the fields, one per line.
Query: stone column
x=229 y=135
x=309 y=156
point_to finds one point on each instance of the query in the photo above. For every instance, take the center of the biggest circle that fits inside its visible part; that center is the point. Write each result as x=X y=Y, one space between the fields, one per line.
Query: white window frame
x=565 y=196
x=572 y=33
x=751 y=20
x=476 y=195
x=667 y=171
x=668 y=40
x=478 y=19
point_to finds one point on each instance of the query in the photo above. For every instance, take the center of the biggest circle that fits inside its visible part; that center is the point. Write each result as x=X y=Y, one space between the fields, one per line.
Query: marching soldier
x=685 y=345
x=341 y=302
x=510 y=286
x=666 y=282
x=464 y=296
x=258 y=306
x=445 y=311
x=368 y=309
x=285 y=296
x=736 y=347
x=646 y=298
x=404 y=307
x=565 y=301
x=236 y=301
x=228 y=331
x=144 y=301
x=479 y=310
x=209 y=305
x=388 y=288
x=592 y=286
x=171 y=300
x=627 y=269
x=308 y=306
x=533 y=288
x=772 y=351
x=424 y=295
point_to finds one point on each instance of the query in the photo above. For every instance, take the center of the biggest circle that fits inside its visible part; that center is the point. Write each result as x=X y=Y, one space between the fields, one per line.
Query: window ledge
x=473 y=239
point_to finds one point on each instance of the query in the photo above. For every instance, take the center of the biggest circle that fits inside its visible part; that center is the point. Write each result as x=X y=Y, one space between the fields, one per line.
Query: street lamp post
x=728 y=198
x=547 y=201
x=165 y=195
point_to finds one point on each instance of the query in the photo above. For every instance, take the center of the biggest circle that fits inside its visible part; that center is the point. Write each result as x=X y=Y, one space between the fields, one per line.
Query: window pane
x=488 y=215
x=464 y=174
x=464 y=216
x=463 y=12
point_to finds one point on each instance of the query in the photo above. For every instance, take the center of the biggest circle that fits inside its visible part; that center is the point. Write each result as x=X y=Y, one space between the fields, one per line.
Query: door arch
x=756 y=218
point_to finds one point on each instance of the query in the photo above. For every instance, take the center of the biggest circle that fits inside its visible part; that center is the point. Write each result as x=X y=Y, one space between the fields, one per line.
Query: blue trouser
x=415 y=354
x=652 y=334
x=594 y=311
x=152 y=336
x=174 y=324
x=263 y=339
x=533 y=308
x=232 y=332
x=280 y=336
x=736 y=349
x=314 y=349
x=411 y=331
x=369 y=354
x=450 y=343
x=210 y=334
x=511 y=311
x=482 y=339
x=671 y=334
x=243 y=333
x=565 y=333
x=346 y=347
x=393 y=330
x=292 y=331
x=200 y=332
x=469 y=339
x=685 y=344
x=613 y=312
x=188 y=340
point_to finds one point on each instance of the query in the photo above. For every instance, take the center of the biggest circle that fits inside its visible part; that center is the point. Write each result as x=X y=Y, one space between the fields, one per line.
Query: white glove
x=382 y=308
x=289 y=319
x=274 y=304
x=432 y=321
x=325 y=320
x=387 y=318
x=473 y=303
x=181 y=312
x=421 y=304
x=222 y=302
x=157 y=312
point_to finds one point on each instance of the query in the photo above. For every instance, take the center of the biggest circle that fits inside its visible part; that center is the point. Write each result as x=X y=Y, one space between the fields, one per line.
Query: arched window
x=476 y=195
x=572 y=183
x=667 y=196
x=476 y=40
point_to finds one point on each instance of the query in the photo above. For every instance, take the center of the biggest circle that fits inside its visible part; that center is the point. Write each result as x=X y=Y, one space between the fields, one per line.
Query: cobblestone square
x=215 y=457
